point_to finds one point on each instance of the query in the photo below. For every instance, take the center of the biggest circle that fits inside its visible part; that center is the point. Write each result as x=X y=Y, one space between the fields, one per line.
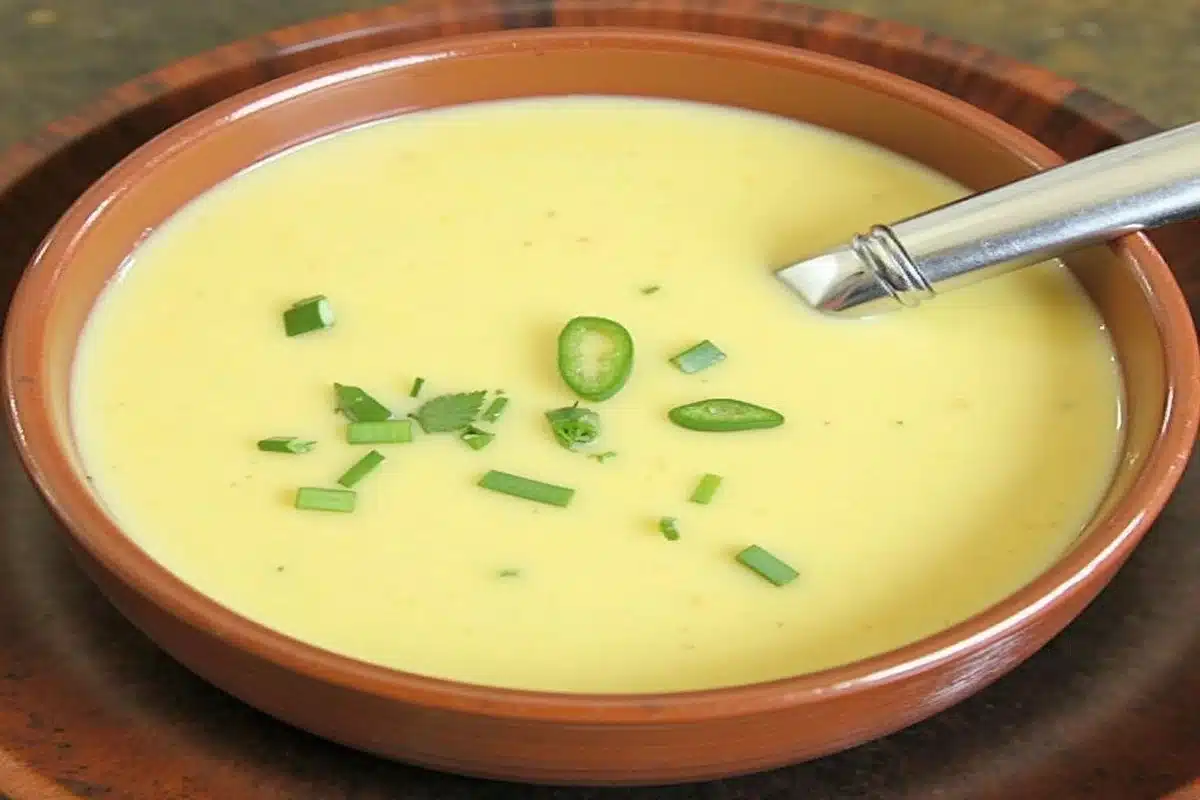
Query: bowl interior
x=94 y=238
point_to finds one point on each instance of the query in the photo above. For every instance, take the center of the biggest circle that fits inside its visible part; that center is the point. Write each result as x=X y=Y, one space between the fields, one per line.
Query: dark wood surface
x=56 y=55
x=89 y=708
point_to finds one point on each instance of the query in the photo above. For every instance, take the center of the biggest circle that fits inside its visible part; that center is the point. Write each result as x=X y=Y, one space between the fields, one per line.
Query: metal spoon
x=1145 y=184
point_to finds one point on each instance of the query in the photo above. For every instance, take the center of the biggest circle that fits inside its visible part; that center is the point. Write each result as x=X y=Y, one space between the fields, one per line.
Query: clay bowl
x=577 y=738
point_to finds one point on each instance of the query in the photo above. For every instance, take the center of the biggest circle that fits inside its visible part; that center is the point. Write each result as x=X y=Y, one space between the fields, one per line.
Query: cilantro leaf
x=449 y=412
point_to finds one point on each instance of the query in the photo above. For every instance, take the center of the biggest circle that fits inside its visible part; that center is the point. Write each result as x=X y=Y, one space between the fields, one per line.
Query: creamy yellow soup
x=932 y=461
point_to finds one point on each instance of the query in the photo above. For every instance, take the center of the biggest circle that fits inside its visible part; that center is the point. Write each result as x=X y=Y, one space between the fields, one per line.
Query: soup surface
x=932 y=461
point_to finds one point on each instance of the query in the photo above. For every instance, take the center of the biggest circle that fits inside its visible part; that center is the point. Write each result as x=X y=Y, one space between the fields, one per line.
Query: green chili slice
x=721 y=414
x=573 y=426
x=595 y=357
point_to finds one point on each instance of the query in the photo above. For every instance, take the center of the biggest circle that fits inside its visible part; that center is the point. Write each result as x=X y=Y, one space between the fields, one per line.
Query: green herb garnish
x=651 y=289
x=358 y=406
x=509 y=573
x=476 y=438
x=527 y=488
x=449 y=412
x=698 y=357
x=311 y=498
x=602 y=457
x=286 y=444
x=767 y=565
x=389 y=431
x=307 y=315
x=705 y=489
x=361 y=469
x=723 y=414
x=416 y=387
x=595 y=357
x=495 y=409
x=573 y=426
x=669 y=528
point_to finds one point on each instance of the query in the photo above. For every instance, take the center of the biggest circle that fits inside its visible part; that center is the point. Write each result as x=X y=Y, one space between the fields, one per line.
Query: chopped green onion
x=495 y=409
x=705 y=489
x=574 y=426
x=311 y=498
x=358 y=406
x=669 y=527
x=286 y=444
x=767 y=565
x=389 y=431
x=595 y=357
x=722 y=414
x=361 y=469
x=307 y=315
x=509 y=573
x=416 y=387
x=476 y=438
x=527 y=489
x=449 y=412
x=697 y=357
x=602 y=457
x=650 y=289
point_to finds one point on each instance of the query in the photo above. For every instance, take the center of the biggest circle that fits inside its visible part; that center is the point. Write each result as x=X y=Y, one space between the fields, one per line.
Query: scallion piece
x=651 y=289
x=476 y=438
x=358 y=406
x=389 y=431
x=527 y=488
x=286 y=444
x=705 y=489
x=416 y=387
x=669 y=528
x=361 y=469
x=307 y=315
x=312 y=498
x=602 y=457
x=495 y=409
x=698 y=357
x=767 y=565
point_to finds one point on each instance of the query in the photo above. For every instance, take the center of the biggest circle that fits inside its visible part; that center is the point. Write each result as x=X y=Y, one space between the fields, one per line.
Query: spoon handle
x=1151 y=182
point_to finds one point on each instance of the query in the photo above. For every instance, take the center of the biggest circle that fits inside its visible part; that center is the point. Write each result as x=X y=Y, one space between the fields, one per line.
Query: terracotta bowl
x=582 y=738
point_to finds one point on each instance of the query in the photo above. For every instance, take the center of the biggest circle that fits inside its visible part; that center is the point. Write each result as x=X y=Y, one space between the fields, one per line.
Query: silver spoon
x=1145 y=184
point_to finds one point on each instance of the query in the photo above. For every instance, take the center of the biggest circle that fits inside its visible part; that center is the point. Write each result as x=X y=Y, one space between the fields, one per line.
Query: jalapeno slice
x=721 y=414
x=574 y=427
x=595 y=357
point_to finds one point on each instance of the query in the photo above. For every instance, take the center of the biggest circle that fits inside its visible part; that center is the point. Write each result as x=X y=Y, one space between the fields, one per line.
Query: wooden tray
x=90 y=708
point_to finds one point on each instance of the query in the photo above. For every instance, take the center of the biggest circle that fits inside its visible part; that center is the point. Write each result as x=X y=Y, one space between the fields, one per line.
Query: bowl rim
x=998 y=626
